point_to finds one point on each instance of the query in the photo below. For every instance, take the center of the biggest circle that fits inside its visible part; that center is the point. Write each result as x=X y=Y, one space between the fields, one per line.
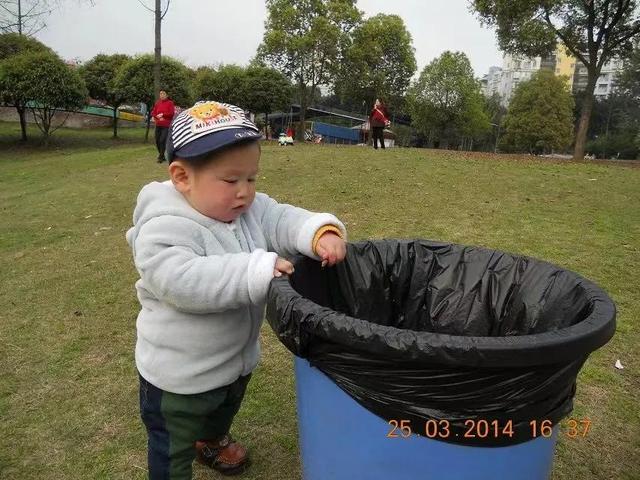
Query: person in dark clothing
x=162 y=114
x=378 y=119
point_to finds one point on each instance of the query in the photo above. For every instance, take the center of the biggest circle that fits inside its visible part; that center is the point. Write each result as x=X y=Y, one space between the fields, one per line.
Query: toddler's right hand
x=282 y=266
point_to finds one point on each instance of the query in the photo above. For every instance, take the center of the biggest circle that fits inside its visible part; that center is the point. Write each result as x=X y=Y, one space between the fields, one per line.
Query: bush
x=45 y=84
x=621 y=145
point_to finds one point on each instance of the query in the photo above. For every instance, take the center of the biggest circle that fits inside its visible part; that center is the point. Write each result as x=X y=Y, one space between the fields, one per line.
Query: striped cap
x=207 y=127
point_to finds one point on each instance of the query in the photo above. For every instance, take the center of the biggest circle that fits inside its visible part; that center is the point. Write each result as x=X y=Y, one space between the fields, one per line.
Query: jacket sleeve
x=290 y=230
x=173 y=266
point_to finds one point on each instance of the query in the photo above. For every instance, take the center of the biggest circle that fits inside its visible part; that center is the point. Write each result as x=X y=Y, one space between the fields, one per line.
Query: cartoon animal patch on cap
x=208 y=111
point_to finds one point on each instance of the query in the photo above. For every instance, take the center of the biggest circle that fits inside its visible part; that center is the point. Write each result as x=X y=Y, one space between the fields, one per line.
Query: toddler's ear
x=181 y=175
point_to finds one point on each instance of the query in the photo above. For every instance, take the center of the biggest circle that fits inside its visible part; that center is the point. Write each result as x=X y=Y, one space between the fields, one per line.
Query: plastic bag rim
x=518 y=350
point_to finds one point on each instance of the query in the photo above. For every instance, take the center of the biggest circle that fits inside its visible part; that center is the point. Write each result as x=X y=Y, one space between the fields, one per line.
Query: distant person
x=291 y=132
x=378 y=119
x=162 y=114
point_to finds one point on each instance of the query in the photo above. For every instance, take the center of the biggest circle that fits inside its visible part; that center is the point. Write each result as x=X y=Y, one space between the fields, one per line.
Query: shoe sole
x=234 y=470
x=231 y=471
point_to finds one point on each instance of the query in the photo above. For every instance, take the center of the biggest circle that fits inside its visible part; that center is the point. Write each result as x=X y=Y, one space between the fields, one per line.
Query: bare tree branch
x=60 y=124
x=591 y=20
x=142 y=3
x=30 y=21
x=564 y=39
x=36 y=115
x=617 y=16
x=165 y=10
x=603 y=26
x=35 y=15
x=635 y=31
x=8 y=27
x=35 y=30
x=610 y=45
x=10 y=12
x=33 y=7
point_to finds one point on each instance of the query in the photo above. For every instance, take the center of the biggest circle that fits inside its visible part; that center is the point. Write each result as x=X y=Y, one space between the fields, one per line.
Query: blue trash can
x=341 y=440
x=467 y=352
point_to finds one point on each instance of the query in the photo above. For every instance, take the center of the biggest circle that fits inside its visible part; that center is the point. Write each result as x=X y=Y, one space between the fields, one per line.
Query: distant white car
x=285 y=140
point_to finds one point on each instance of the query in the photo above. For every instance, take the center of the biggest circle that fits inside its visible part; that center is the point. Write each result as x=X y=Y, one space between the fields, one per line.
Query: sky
x=210 y=32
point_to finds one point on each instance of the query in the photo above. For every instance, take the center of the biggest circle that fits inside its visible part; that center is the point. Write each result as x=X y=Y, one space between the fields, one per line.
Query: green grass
x=68 y=386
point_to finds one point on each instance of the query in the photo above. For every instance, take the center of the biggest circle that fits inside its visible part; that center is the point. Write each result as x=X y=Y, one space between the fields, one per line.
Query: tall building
x=491 y=81
x=606 y=80
x=565 y=65
x=516 y=69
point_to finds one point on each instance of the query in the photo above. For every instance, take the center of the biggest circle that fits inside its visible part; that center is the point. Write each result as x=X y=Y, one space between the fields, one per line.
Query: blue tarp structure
x=335 y=134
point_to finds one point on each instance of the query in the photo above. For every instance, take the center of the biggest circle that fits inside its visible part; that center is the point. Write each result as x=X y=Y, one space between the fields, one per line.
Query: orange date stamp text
x=479 y=429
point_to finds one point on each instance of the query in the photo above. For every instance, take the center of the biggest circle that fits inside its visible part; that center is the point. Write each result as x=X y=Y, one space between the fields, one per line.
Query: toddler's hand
x=282 y=266
x=331 y=248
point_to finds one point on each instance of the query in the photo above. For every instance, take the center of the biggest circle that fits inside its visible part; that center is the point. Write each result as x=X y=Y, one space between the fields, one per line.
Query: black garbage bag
x=426 y=331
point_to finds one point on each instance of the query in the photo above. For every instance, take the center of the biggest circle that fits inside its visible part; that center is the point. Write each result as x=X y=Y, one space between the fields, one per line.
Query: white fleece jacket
x=203 y=284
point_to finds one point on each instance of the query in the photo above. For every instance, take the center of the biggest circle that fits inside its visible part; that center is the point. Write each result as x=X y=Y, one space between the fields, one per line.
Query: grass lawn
x=68 y=386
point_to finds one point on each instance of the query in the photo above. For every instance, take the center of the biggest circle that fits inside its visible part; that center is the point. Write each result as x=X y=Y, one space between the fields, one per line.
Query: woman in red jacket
x=162 y=113
x=378 y=119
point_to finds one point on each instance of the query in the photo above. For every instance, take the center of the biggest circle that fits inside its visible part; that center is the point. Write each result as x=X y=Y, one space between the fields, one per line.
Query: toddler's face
x=226 y=188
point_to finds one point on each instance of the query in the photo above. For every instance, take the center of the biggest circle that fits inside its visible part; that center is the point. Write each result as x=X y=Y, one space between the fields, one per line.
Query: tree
x=628 y=82
x=44 y=83
x=99 y=75
x=446 y=103
x=199 y=79
x=134 y=82
x=257 y=89
x=593 y=31
x=192 y=73
x=24 y=17
x=13 y=44
x=265 y=91
x=540 y=115
x=224 y=85
x=305 y=40
x=629 y=85
x=158 y=15
x=496 y=114
x=615 y=119
x=379 y=63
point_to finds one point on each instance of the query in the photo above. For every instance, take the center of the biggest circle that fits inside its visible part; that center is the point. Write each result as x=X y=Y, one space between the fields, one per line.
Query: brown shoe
x=225 y=455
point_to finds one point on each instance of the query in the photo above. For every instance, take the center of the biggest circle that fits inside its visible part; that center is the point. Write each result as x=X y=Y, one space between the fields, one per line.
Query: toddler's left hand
x=331 y=248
